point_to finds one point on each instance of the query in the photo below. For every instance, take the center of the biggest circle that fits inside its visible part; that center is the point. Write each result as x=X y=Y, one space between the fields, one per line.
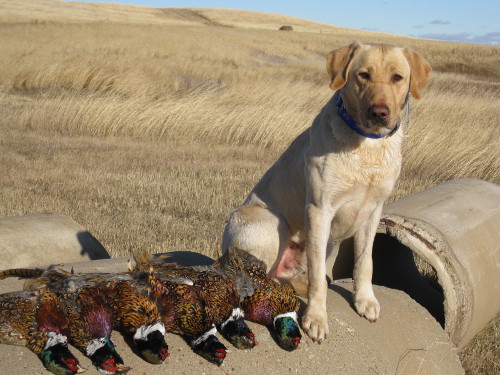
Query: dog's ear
x=420 y=70
x=337 y=64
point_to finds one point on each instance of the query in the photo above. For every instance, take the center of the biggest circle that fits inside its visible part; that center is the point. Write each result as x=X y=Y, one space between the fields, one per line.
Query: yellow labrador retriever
x=331 y=183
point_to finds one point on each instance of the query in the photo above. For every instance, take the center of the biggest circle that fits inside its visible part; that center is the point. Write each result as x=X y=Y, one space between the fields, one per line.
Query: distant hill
x=14 y=11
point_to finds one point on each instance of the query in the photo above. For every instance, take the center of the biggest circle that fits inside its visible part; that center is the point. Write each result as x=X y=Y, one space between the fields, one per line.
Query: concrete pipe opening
x=442 y=247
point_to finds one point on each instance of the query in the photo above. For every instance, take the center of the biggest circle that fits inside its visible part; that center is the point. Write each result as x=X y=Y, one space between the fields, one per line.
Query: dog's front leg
x=364 y=299
x=314 y=321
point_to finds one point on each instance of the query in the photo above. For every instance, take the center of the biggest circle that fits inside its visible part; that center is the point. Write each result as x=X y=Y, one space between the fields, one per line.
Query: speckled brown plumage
x=37 y=320
x=127 y=297
x=132 y=308
x=104 y=301
x=184 y=308
x=219 y=291
x=26 y=317
x=256 y=288
x=185 y=311
x=263 y=300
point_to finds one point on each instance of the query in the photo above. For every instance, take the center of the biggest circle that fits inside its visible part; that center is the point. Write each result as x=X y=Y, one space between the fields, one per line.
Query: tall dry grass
x=234 y=87
x=149 y=126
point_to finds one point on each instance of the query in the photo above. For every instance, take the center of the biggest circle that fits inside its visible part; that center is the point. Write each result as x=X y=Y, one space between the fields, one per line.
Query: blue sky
x=475 y=21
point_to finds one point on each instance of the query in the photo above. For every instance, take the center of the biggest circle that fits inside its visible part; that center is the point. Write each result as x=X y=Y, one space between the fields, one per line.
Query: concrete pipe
x=43 y=239
x=453 y=227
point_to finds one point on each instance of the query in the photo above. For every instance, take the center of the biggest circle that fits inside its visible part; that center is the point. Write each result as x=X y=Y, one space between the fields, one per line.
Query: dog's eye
x=364 y=75
x=396 y=78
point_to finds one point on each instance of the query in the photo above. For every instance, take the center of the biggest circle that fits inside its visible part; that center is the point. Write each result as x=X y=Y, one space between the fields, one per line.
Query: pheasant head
x=275 y=305
x=209 y=347
x=237 y=332
x=103 y=355
x=57 y=358
x=150 y=342
x=286 y=330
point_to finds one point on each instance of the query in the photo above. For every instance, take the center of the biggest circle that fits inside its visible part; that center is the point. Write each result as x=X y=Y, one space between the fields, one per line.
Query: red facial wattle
x=220 y=353
x=109 y=365
x=296 y=342
x=71 y=364
x=164 y=354
x=251 y=337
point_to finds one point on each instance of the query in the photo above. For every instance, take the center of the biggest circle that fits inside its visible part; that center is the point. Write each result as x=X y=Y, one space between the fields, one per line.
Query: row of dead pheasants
x=59 y=307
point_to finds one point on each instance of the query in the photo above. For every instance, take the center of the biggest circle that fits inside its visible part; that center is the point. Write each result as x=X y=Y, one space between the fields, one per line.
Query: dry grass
x=149 y=126
x=481 y=356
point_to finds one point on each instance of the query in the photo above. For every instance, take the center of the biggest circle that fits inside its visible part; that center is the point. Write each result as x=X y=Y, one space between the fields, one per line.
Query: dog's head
x=376 y=80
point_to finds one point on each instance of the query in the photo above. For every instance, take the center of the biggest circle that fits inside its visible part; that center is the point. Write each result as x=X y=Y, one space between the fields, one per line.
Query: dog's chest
x=365 y=173
x=350 y=214
x=354 y=185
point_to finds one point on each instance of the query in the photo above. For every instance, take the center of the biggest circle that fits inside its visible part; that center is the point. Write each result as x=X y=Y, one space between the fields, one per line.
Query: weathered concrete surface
x=406 y=340
x=40 y=239
x=454 y=228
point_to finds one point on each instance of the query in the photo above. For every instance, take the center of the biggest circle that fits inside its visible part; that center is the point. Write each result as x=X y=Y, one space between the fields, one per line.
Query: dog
x=331 y=182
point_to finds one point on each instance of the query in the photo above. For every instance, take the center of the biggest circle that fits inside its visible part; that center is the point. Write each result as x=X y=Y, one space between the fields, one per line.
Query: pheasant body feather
x=185 y=311
x=37 y=321
x=219 y=292
x=264 y=300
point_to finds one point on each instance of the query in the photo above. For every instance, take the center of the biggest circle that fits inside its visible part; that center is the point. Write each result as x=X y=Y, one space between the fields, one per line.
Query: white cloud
x=439 y=22
x=492 y=38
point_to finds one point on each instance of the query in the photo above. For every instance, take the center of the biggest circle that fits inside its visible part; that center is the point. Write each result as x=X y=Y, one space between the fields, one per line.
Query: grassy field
x=148 y=126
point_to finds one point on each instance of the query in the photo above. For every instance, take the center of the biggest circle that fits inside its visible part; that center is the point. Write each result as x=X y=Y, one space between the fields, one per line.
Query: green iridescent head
x=287 y=331
x=60 y=361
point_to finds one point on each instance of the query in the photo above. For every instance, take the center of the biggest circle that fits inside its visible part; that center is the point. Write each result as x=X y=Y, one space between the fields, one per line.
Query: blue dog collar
x=344 y=115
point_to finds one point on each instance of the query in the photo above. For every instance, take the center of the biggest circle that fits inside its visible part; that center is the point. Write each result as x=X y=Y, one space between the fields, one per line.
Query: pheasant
x=138 y=316
x=106 y=301
x=36 y=320
x=263 y=300
x=91 y=323
x=185 y=311
x=219 y=291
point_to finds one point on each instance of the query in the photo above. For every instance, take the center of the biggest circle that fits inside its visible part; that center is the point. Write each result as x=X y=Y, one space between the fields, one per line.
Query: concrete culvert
x=43 y=239
x=453 y=228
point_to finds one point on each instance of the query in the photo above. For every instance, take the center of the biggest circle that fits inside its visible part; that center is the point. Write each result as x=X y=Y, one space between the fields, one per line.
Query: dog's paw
x=315 y=325
x=367 y=305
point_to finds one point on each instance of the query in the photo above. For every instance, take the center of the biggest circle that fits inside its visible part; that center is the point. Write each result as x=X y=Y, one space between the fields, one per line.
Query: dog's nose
x=379 y=111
